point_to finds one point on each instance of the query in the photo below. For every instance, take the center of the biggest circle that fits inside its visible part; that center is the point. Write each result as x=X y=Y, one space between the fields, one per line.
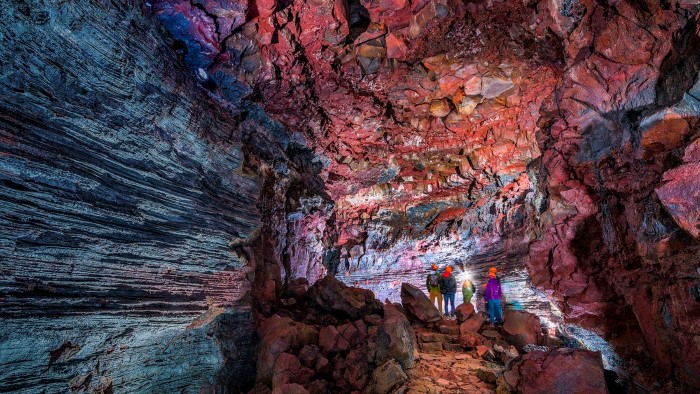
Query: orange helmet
x=448 y=269
x=434 y=267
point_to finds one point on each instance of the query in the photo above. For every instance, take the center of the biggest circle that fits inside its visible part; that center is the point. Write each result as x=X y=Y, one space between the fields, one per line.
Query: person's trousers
x=436 y=294
x=495 y=312
x=449 y=300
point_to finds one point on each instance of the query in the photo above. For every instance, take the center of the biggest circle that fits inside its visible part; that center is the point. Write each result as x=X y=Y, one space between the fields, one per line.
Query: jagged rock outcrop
x=334 y=297
x=522 y=328
x=464 y=312
x=396 y=338
x=418 y=305
x=616 y=246
x=329 y=348
x=387 y=377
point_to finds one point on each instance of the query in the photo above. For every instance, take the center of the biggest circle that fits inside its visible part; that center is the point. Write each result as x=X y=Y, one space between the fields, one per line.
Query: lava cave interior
x=182 y=180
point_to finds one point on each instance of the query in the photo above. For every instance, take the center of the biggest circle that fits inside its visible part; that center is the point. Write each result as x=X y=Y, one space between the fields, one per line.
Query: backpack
x=434 y=280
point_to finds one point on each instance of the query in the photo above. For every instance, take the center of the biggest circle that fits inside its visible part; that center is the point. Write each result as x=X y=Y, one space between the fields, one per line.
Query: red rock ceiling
x=424 y=99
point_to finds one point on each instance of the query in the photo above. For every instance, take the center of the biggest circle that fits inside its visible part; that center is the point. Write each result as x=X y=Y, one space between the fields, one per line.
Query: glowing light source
x=464 y=275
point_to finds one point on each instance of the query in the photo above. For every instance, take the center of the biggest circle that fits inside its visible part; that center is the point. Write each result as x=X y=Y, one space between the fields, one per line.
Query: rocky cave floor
x=335 y=338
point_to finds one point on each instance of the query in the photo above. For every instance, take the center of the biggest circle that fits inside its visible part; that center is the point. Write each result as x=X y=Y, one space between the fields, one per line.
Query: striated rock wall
x=123 y=191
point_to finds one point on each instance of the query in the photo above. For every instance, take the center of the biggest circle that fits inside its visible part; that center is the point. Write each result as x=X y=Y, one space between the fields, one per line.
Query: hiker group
x=444 y=286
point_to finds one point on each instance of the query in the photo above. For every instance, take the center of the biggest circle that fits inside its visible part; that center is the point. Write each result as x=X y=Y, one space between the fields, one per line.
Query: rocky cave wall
x=618 y=243
x=124 y=197
x=423 y=147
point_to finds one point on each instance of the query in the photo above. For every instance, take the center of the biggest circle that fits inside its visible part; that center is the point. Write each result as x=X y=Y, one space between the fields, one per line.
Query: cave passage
x=234 y=196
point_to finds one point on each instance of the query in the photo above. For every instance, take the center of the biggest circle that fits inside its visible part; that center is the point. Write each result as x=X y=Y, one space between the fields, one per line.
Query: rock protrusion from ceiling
x=312 y=80
x=616 y=241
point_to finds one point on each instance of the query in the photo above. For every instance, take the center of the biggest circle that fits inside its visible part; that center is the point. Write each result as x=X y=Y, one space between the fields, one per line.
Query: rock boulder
x=396 y=338
x=279 y=335
x=418 y=305
x=333 y=296
x=557 y=371
x=522 y=328
x=388 y=376
x=464 y=312
x=288 y=369
x=473 y=324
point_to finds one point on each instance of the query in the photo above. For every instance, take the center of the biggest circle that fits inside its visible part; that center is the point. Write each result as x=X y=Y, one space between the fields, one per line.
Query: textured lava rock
x=522 y=328
x=333 y=296
x=324 y=350
x=680 y=192
x=417 y=304
x=388 y=376
x=473 y=324
x=616 y=239
x=557 y=371
x=469 y=339
x=279 y=335
x=464 y=312
x=288 y=370
x=397 y=339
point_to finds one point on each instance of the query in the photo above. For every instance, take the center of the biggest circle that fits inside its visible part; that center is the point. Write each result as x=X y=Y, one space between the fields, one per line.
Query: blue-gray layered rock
x=123 y=198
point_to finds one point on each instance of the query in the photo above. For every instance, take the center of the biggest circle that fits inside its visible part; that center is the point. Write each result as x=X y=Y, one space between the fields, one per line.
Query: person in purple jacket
x=492 y=296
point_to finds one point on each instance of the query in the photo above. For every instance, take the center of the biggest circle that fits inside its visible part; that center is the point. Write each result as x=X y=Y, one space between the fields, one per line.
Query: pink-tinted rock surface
x=522 y=328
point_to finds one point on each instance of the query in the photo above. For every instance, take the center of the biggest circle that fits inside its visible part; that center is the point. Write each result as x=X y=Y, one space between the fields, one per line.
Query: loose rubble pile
x=335 y=338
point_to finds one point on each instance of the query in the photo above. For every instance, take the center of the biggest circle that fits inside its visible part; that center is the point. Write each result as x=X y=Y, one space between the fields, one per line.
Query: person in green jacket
x=468 y=290
x=432 y=282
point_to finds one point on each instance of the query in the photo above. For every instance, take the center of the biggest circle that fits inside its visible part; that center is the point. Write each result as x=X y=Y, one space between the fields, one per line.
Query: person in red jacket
x=492 y=296
x=448 y=287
